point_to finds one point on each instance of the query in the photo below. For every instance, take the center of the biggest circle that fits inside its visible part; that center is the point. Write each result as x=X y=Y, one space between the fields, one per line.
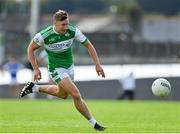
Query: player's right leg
x=27 y=89
x=54 y=90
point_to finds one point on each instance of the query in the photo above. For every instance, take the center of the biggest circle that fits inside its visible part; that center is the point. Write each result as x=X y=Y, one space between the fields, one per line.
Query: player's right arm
x=35 y=43
x=31 y=57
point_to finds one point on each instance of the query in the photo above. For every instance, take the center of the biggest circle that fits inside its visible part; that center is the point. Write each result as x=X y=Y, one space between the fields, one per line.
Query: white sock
x=92 y=121
x=35 y=88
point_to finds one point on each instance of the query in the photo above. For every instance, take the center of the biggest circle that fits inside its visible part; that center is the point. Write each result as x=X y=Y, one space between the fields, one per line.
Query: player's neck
x=60 y=31
x=63 y=31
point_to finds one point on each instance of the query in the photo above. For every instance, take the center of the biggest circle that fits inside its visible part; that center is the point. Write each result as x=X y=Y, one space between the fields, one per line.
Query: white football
x=161 y=87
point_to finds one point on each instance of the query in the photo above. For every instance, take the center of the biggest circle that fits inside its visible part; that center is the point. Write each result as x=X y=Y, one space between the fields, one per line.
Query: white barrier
x=88 y=73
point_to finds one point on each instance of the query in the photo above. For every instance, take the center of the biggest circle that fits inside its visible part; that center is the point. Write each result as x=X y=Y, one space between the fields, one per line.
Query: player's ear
x=54 y=22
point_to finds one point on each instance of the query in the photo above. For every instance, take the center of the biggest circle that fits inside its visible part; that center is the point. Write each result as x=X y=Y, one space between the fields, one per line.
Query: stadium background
x=123 y=33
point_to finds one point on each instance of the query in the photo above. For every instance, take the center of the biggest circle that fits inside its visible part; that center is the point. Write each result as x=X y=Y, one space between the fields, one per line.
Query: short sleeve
x=79 y=36
x=38 y=39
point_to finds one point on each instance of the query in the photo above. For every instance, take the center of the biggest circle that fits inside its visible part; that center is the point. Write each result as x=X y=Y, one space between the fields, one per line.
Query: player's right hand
x=37 y=74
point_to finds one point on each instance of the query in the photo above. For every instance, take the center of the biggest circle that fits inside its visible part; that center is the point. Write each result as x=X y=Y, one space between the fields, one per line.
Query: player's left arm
x=79 y=36
x=94 y=56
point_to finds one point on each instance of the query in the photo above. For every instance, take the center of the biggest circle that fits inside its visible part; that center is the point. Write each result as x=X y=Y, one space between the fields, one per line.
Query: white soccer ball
x=161 y=87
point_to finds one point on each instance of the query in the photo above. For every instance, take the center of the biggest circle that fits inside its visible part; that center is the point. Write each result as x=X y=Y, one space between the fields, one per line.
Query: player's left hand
x=100 y=71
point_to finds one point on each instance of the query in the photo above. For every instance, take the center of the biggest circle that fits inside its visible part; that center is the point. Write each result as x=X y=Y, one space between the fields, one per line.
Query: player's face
x=61 y=25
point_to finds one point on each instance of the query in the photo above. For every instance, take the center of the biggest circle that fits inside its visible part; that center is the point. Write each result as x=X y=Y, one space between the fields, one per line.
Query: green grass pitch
x=60 y=116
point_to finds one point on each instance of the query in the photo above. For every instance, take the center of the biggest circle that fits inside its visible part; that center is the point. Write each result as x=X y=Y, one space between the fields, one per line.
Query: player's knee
x=76 y=96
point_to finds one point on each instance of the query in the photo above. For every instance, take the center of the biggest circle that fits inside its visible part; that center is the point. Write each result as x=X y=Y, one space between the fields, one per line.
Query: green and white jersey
x=58 y=46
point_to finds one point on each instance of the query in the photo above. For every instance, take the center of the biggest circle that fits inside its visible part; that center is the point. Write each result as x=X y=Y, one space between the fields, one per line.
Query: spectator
x=128 y=83
x=12 y=66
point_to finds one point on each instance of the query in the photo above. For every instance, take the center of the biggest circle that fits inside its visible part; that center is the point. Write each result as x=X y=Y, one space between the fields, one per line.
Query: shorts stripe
x=60 y=73
x=57 y=80
x=55 y=76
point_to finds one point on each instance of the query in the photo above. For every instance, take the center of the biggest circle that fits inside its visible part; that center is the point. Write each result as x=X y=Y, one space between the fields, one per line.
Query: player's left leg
x=69 y=87
x=79 y=103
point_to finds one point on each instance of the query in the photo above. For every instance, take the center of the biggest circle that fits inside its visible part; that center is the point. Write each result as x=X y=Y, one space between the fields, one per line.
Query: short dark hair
x=60 y=15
